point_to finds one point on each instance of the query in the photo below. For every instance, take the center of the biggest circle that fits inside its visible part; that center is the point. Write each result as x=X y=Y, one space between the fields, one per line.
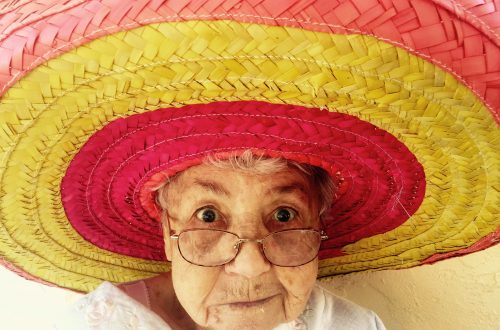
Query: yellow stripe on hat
x=48 y=115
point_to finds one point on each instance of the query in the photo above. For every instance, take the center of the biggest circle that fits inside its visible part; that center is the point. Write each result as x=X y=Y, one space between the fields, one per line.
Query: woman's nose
x=249 y=262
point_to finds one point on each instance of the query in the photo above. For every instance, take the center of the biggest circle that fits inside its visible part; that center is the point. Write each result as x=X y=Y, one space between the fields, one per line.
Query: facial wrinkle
x=238 y=290
x=285 y=310
x=248 y=291
x=212 y=289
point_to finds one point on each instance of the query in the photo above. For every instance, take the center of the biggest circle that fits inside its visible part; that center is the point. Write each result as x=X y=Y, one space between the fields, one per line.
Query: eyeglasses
x=213 y=247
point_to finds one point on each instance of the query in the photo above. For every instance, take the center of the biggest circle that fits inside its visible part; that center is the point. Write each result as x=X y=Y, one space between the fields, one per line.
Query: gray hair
x=252 y=163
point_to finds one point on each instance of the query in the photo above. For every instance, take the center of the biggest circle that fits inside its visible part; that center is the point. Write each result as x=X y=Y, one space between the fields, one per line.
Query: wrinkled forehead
x=229 y=181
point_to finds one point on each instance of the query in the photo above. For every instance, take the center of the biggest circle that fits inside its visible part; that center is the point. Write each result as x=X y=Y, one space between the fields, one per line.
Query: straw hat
x=101 y=100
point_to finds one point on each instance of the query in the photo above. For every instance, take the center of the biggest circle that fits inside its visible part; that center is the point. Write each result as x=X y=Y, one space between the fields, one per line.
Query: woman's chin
x=262 y=314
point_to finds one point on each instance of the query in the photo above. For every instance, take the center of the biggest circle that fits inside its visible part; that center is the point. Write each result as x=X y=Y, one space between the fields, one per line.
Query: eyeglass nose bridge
x=237 y=244
x=240 y=241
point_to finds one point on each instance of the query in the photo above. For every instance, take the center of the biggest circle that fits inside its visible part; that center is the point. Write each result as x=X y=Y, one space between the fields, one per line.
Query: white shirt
x=109 y=308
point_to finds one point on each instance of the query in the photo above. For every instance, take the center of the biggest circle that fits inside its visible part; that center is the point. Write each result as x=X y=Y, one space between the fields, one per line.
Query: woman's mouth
x=248 y=304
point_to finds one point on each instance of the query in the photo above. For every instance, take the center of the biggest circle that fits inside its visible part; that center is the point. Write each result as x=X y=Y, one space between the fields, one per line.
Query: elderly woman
x=243 y=234
x=256 y=145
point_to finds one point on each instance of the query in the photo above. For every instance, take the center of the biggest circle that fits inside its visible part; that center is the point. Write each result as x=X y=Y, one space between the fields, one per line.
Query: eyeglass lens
x=208 y=247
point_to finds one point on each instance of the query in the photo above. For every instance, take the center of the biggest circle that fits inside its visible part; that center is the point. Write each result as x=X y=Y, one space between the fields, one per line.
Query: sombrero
x=101 y=100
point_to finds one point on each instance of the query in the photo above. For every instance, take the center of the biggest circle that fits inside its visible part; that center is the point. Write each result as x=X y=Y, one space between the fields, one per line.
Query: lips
x=249 y=304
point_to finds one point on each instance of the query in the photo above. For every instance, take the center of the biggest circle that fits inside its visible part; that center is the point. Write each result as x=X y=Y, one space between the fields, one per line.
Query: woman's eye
x=207 y=214
x=284 y=214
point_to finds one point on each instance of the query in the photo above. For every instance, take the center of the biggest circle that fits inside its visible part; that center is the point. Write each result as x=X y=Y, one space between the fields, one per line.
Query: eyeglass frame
x=322 y=233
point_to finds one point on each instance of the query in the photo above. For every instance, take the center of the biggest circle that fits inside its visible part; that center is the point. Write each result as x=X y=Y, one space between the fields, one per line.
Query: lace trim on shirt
x=106 y=309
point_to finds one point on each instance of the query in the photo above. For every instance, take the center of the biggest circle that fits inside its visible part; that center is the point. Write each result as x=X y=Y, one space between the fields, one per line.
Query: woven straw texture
x=465 y=34
x=380 y=183
x=444 y=114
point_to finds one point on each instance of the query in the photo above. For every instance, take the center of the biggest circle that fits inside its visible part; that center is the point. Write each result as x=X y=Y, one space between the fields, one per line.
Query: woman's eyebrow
x=288 y=188
x=212 y=186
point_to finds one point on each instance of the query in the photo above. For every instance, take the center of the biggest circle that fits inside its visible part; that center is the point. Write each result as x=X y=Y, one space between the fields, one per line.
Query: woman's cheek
x=298 y=283
x=192 y=285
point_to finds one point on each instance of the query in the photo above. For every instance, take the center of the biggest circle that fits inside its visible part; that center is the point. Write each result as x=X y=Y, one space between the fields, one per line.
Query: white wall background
x=29 y=305
x=457 y=294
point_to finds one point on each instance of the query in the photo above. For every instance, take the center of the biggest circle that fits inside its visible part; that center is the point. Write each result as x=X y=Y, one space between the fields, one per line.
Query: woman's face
x=248 y=292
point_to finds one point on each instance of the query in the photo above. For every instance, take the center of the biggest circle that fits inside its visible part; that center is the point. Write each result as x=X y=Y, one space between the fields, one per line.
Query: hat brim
x=49 y=114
